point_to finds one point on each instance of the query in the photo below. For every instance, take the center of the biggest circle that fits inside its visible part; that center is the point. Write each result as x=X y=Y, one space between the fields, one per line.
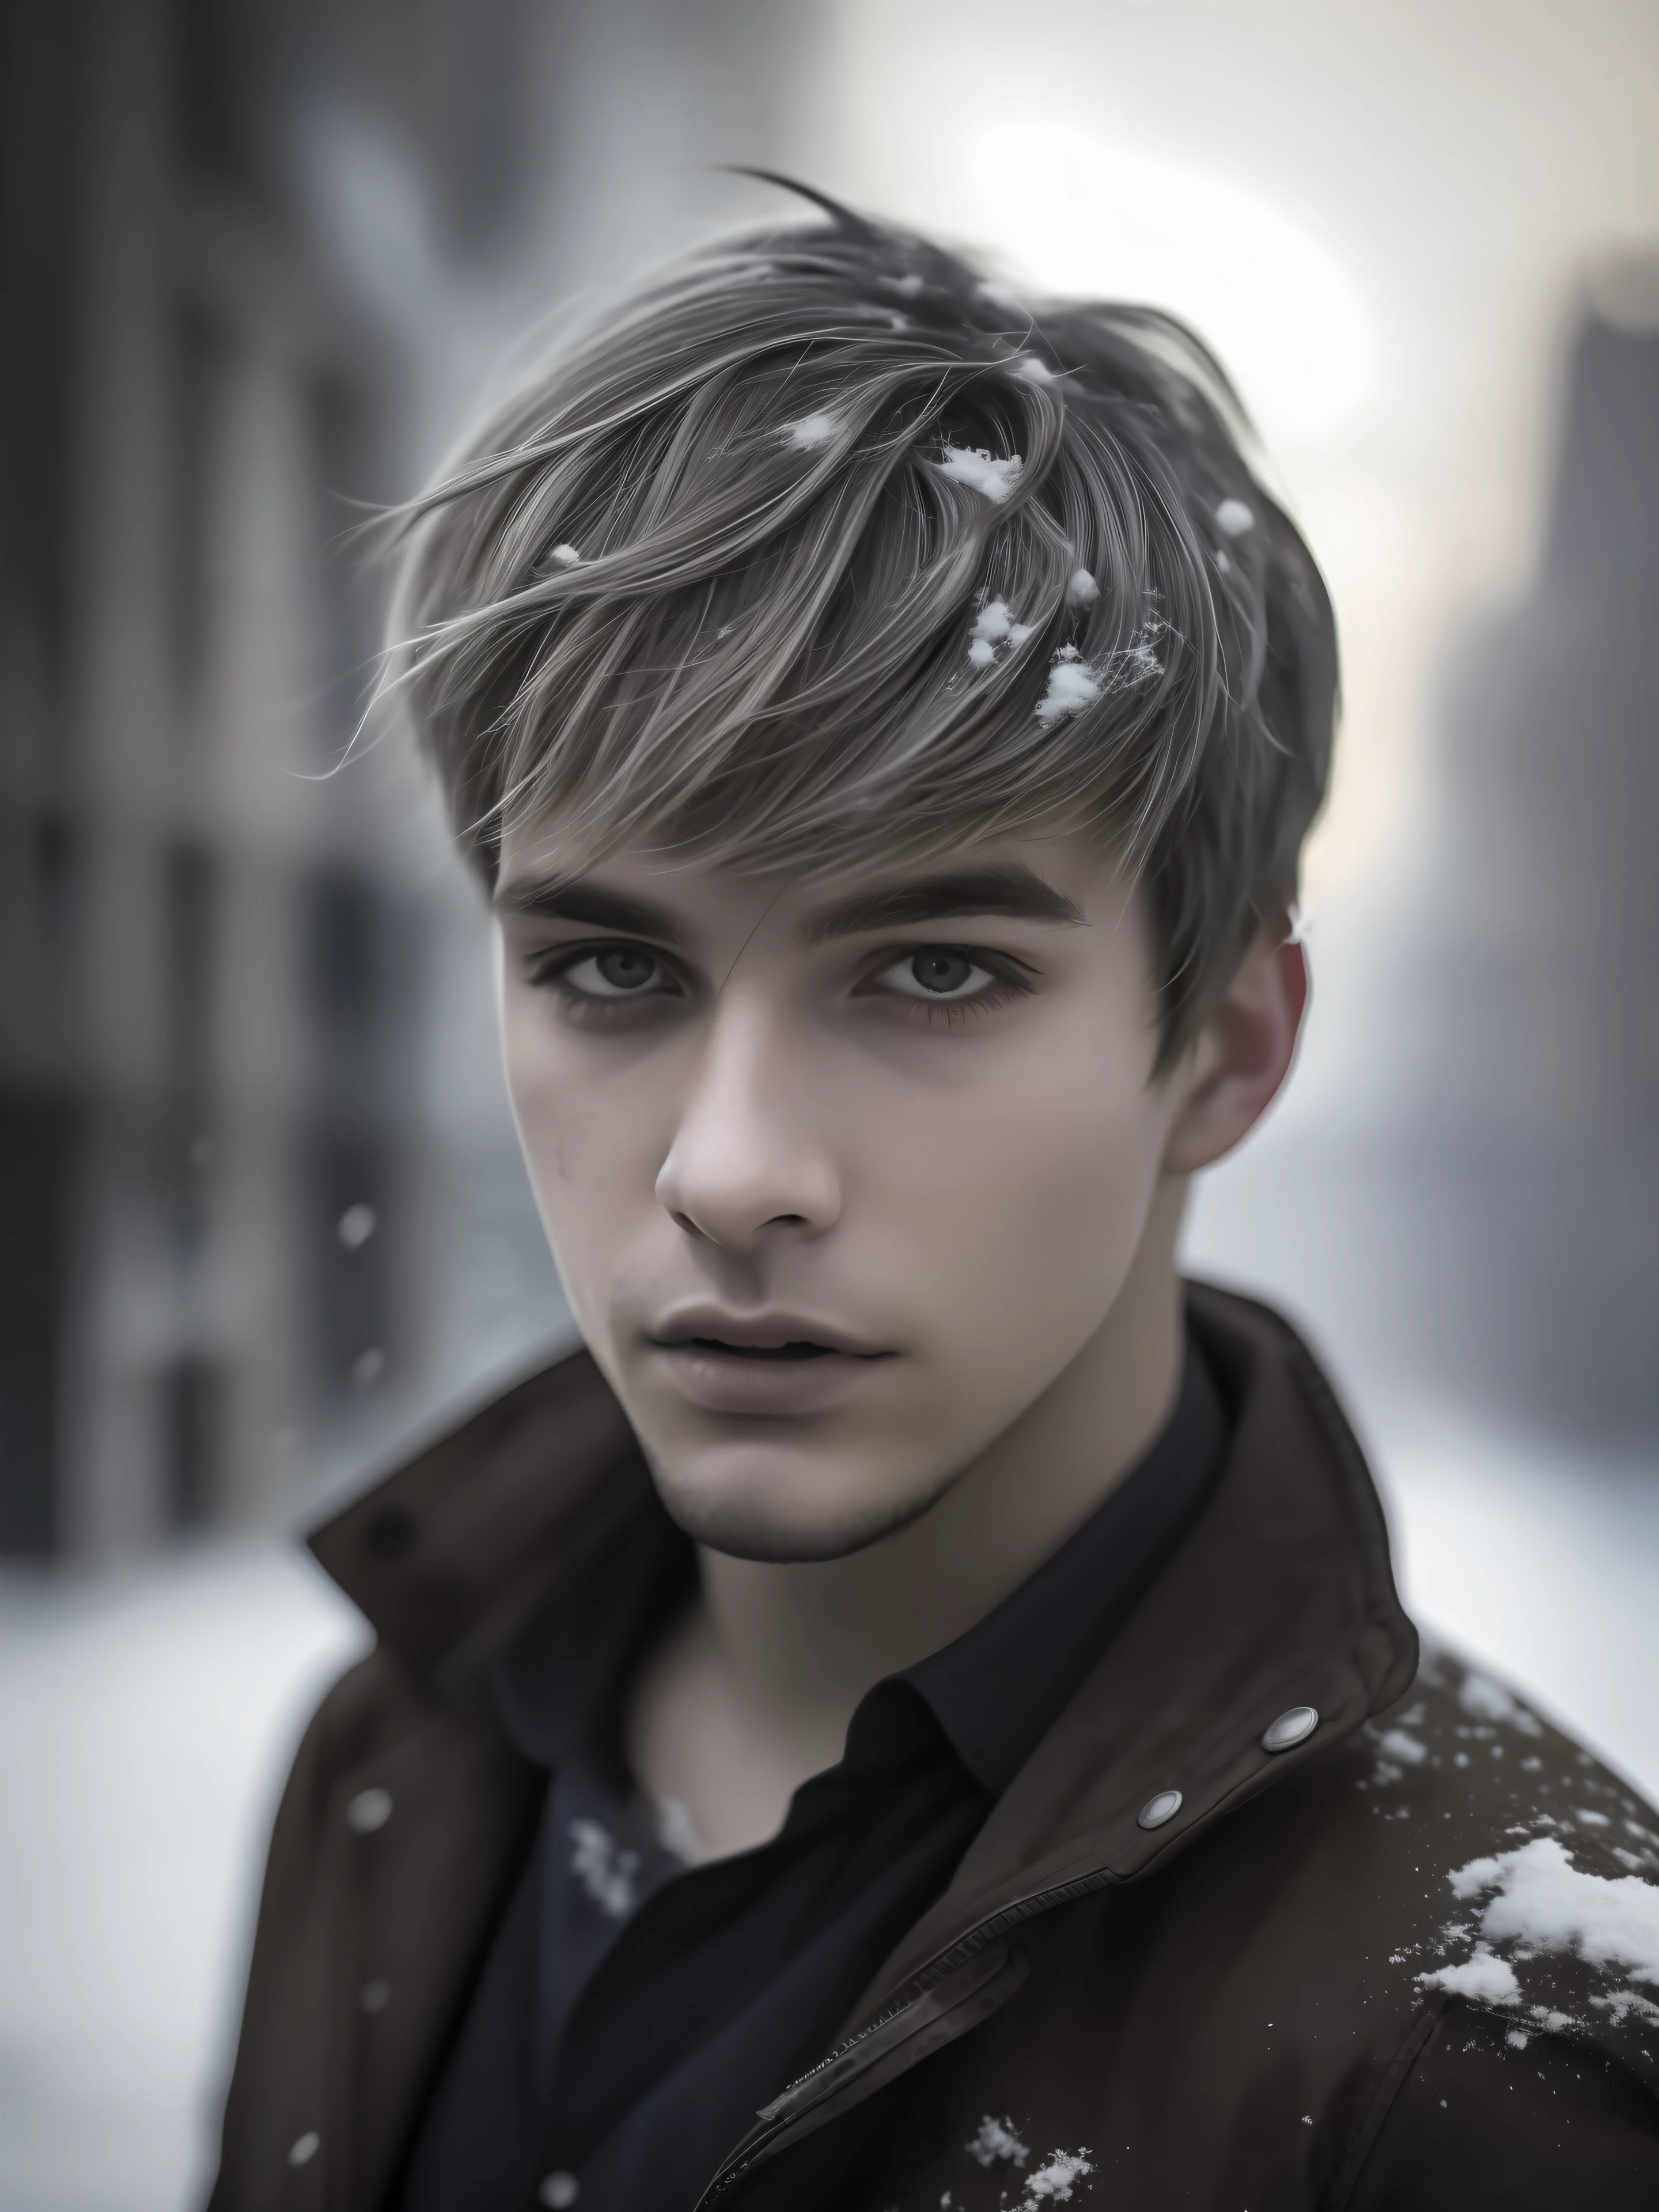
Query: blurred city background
x=263 y=1213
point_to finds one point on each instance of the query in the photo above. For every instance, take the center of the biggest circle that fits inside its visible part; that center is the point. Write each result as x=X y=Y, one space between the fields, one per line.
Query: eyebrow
x=573 y=898
x=1009 y=888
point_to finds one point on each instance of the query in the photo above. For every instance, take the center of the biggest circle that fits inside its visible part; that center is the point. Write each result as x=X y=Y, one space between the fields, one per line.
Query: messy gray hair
x=819 y=548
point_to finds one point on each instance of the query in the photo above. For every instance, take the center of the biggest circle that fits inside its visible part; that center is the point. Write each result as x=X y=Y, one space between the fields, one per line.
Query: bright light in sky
x=1080 y=214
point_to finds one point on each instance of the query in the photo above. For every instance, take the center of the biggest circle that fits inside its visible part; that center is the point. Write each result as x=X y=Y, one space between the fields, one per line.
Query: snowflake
x=1054 y=2178
x=994 y=625
x=996 y=2139
x=980 y=471
x=1073 y=685
x=812 y=434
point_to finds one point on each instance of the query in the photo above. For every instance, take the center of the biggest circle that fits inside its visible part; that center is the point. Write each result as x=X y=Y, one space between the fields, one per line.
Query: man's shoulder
x=381 y=1725
x=1540 y=1866
x=1460 y=1850
x=1456 y=1897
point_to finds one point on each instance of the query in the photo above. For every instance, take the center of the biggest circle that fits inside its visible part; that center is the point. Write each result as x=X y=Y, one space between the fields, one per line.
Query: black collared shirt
x=633 y=2014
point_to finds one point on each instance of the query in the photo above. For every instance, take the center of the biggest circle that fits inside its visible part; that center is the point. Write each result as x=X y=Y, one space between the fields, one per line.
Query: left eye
x=936 y=973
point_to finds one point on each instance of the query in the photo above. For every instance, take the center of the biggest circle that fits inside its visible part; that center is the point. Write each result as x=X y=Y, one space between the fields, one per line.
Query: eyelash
x=950 y=1013
x=551 y=970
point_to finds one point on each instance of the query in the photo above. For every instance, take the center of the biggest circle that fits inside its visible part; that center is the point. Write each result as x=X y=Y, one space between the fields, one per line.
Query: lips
x=761 y=1336
x=802 y=1350
x=775 y=1365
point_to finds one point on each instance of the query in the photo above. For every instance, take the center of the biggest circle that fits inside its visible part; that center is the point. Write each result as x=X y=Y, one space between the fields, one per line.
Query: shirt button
x=372 y=1997
x=368 y=1810
x=1291 y=1728
x=304 y=2149
x=1156 y=1810
x=559 y=2189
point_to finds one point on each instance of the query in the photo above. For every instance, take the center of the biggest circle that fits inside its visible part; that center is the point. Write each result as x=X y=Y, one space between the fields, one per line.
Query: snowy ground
x=145 y=1722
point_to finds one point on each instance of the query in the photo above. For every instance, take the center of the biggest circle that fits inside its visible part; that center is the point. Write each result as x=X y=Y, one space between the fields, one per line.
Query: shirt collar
x=995 y=1692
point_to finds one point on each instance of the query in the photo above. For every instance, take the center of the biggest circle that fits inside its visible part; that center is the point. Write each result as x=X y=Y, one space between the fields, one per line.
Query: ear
x=1243 y=1054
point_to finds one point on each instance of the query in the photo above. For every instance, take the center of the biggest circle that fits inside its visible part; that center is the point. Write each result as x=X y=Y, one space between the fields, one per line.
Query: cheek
x=585 y=1126
x=1024 y=1199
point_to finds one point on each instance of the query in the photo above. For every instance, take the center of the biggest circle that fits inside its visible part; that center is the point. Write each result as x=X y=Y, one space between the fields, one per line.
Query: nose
x=745 y=1166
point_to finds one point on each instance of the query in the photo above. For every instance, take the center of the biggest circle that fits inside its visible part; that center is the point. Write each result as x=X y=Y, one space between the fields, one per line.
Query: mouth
x=778 y=1364
x=802 y=1348
x=760 y=1336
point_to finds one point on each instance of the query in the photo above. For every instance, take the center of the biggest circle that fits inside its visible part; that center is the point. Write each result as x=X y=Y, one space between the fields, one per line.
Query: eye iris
x=941 y=971
x=625 y=970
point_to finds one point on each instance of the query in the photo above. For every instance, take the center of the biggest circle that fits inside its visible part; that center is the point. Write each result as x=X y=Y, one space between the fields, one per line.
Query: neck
x=800 y=1644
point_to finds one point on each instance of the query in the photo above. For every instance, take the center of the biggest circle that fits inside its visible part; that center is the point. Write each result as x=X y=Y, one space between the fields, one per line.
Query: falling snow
x=1233 y=518
x=356 y=1227
x=566 y=555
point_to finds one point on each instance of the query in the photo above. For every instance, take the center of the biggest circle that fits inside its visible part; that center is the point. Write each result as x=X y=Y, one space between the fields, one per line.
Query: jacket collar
x=1282 y=1596
x=449 y=1554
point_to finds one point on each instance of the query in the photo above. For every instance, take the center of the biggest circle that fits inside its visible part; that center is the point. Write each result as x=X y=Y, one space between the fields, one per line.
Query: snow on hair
x=762 y=664
x=995 y=477
x=812 y=433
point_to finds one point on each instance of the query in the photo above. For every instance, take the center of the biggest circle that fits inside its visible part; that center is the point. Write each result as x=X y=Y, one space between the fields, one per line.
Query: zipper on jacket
x=775 y=2123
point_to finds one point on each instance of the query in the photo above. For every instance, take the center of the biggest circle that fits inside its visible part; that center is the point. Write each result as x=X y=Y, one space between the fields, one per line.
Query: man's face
x=840 y=1177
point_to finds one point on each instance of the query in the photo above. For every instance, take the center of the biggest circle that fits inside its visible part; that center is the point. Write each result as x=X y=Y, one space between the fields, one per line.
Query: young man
x=915 y=1713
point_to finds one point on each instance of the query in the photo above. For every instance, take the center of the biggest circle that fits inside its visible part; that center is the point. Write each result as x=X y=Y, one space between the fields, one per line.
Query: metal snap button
x=1291 y=1728
x=368 y=1810
x=1156 y=1810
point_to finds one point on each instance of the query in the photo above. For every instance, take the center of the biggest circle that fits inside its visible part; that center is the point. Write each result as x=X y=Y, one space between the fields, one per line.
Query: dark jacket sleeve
x=402 y=1822
x=273 y=2098
x=1483 y=2123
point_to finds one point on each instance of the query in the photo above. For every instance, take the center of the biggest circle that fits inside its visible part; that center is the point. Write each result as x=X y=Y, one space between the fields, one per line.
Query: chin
x=748 y=1520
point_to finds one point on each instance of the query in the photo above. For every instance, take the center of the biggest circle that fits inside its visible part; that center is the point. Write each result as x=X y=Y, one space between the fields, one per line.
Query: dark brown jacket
x=1237 y=2011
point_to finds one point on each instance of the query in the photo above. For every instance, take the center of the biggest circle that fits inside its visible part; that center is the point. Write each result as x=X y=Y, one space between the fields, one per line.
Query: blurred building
x=214 y=1154
x=1537 y=1107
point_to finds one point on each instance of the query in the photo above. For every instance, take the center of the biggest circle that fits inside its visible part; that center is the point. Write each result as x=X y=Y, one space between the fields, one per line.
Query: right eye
x=616 y=971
